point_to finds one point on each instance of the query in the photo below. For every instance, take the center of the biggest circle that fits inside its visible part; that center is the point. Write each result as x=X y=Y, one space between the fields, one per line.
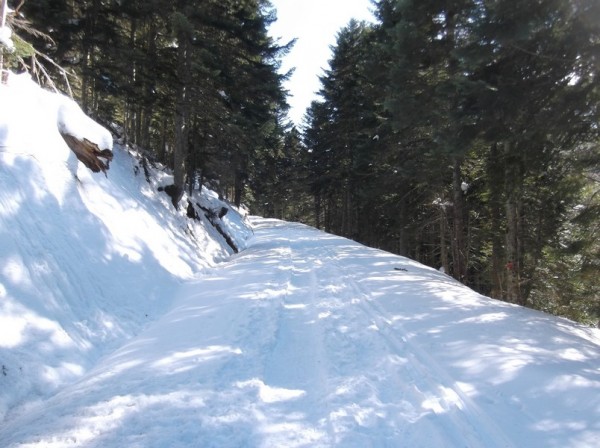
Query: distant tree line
x=464 y=134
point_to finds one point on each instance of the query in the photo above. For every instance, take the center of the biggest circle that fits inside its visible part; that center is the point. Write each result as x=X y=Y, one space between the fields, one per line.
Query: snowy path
x=306 y=339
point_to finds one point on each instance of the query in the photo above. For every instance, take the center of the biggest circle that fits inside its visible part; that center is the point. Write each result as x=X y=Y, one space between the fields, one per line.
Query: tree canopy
x=196 y=83
x=464 y=134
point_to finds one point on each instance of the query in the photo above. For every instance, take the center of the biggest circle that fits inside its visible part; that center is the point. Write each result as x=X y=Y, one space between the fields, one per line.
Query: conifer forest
x=463 y=134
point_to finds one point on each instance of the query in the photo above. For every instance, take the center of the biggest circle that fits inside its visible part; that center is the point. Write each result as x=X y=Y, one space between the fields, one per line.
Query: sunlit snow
x=123 y=323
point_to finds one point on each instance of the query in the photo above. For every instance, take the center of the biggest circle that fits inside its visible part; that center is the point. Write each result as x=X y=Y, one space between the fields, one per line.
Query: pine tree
x=535 y=61
x=485 y=106
x=348 y=116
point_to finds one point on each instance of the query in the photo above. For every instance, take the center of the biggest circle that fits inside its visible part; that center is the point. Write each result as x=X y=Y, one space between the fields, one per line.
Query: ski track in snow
x=310 y=340
x=457 y=419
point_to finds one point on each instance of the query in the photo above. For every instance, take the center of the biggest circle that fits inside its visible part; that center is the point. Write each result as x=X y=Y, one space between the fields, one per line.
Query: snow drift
x=86 y=260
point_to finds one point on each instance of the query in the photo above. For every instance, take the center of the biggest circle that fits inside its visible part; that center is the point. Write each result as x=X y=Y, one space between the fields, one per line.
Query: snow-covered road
x=306 y=339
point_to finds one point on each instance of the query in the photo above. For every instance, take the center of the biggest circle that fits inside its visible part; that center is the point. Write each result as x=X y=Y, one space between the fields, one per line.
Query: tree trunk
x=348 y=221
x=85 y=79
x=182 y=108
x=318 y=210
x=443 y=242
x=163 y=149
x=88 y=58
x=3 y=12
x=512 y=252
x=328 y=208
x=512 y=180
x=238 y=187
x=403 y=234
x=149 y=102
x=496 y=183
x=458 y=210
x=131 y=114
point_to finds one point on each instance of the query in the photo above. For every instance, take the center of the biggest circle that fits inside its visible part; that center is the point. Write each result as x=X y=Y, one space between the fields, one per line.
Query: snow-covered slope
x=309 y=340
x=119 y=329
x=85 y=262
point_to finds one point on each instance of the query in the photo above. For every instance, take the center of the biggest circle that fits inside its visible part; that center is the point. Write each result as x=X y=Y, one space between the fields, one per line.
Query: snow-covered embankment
x=86 y=260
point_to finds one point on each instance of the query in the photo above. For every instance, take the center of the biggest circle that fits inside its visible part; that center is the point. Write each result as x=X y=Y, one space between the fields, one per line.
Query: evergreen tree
x=486 y=106
x=195 y=82
x=461 y=133
x=537 y=108
x=279 y=183
x=348 y=113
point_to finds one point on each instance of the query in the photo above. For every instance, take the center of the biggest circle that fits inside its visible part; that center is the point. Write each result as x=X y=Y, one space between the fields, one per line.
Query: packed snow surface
x=306 y=339
x=125 y=324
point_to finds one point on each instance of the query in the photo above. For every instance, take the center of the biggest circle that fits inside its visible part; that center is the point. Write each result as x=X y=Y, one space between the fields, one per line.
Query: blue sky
x=315 y=24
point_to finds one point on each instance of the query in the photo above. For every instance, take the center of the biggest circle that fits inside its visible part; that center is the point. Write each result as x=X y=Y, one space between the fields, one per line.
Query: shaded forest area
x=464 y=134
x=460 y=133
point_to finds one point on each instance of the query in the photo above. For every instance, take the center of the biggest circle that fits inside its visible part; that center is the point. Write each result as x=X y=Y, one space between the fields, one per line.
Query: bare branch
x=19 y=7
x=62 y=71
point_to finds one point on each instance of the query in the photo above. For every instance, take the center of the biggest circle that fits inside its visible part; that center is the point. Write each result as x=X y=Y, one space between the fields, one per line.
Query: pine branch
x=25 y=25
x=36 y=67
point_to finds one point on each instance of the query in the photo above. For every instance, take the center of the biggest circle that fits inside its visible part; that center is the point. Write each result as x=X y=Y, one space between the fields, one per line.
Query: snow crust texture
x=306 y=339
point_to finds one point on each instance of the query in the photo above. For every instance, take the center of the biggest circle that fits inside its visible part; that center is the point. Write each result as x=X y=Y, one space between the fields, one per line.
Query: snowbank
x=86 y=261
